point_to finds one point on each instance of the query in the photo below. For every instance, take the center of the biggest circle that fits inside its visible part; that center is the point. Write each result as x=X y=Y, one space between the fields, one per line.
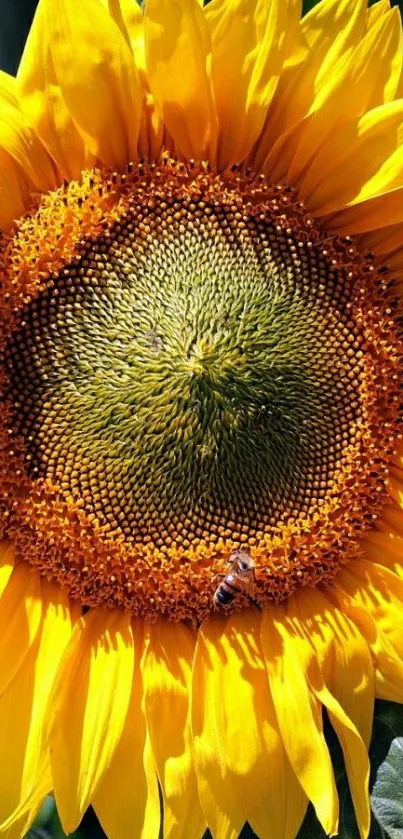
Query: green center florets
x=202 y=380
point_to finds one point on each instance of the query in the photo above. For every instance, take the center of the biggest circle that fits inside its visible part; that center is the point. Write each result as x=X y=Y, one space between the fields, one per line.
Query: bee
x=240 y=580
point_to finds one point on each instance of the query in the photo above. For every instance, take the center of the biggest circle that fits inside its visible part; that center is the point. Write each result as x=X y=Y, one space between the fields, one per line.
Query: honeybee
x=240 y=580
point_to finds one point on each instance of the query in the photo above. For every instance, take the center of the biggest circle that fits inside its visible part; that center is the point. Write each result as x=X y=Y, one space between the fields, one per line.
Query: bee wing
x=245 y=581
x=232 y=579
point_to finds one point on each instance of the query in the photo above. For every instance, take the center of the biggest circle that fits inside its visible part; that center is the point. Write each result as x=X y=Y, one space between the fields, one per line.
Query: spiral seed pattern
x=190 y=365
x=204 y=383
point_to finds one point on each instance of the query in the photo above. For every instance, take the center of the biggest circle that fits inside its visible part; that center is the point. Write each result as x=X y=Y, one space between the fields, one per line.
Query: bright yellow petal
x=8 y=90
x=361 y=161
x=20 y=615
x=299 y=714
x=166 y=675
x=385 y=549
x=100 y=86
x=19 y=828
x=331 y=30
x=340 y=672
x=377 y=10
x=378 y=590
x=390 y=59
x=395 y=486
x=388 y=664
x=213 y=728
x=332 y=17
x=24 y=712
x=14 y=191
x=342 y=654
x=42 y=101
x=355 y=757
x=392 y=518
x=7 y=563
x=127 y=800
x=19 y=141
x=130 y=19
x=248 y=48
x=90 y=702
x=177 y=37
x=376 y=212
x=360 y=81
x=241 y=766
x=293 y=37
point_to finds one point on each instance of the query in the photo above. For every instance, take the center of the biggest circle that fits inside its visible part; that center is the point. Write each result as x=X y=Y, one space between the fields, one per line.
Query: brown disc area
x=190 y=365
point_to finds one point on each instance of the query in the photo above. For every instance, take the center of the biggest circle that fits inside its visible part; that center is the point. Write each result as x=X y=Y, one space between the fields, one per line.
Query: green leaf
x=387 y=793
x=45 y=813
x=387 y=730
x=38 y=833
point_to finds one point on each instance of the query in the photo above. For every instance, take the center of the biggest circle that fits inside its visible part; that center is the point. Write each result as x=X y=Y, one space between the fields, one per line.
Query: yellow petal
x=177 y=37
x=378 y=590
x=331 y=17
x=332 y=30
x=20 y=615
x=127 y=801
x=377 y=10
x=166 y=674
x=390 y=65
x=340 y=673
x=361 y=161
x=368 y=77
x=19 y=140
x=299 y=714
x=388 y=664
x=392 y=517
x=385 y=549
x=355 y=757
x=100 y=86
x=213 y=728
x=293 y=37
x=130 y=19
x=382 y=242
x=8 y=90
x=395 y=264
x=90 y=703
x=248 y=48
x=116 y=11
x=19 y=828
x=395 y=486
x=342 y=654
x=24 y=712
x=384 y=39
x=42 y=101
x=7 y=563
x=14 y=191
x=371 y=214
x=242 y=770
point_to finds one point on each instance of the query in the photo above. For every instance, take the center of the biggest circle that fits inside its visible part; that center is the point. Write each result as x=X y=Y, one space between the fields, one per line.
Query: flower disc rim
x=151 y=576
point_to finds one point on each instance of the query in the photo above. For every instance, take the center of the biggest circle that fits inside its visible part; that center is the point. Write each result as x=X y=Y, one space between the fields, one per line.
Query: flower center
x=207 y=381
x=201 y=372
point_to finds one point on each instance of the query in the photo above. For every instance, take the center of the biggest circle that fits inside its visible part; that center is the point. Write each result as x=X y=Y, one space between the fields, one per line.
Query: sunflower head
x=201 y=406
x=189 y=366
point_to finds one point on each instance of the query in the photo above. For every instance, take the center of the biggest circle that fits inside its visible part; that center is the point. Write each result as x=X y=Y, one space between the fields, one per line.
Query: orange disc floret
x=190 y=365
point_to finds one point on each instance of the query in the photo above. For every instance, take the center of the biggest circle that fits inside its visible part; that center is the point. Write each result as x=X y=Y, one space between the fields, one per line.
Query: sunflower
x=201 y=473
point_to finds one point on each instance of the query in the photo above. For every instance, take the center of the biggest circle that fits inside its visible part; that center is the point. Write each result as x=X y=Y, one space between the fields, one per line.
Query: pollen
x=190 y=366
